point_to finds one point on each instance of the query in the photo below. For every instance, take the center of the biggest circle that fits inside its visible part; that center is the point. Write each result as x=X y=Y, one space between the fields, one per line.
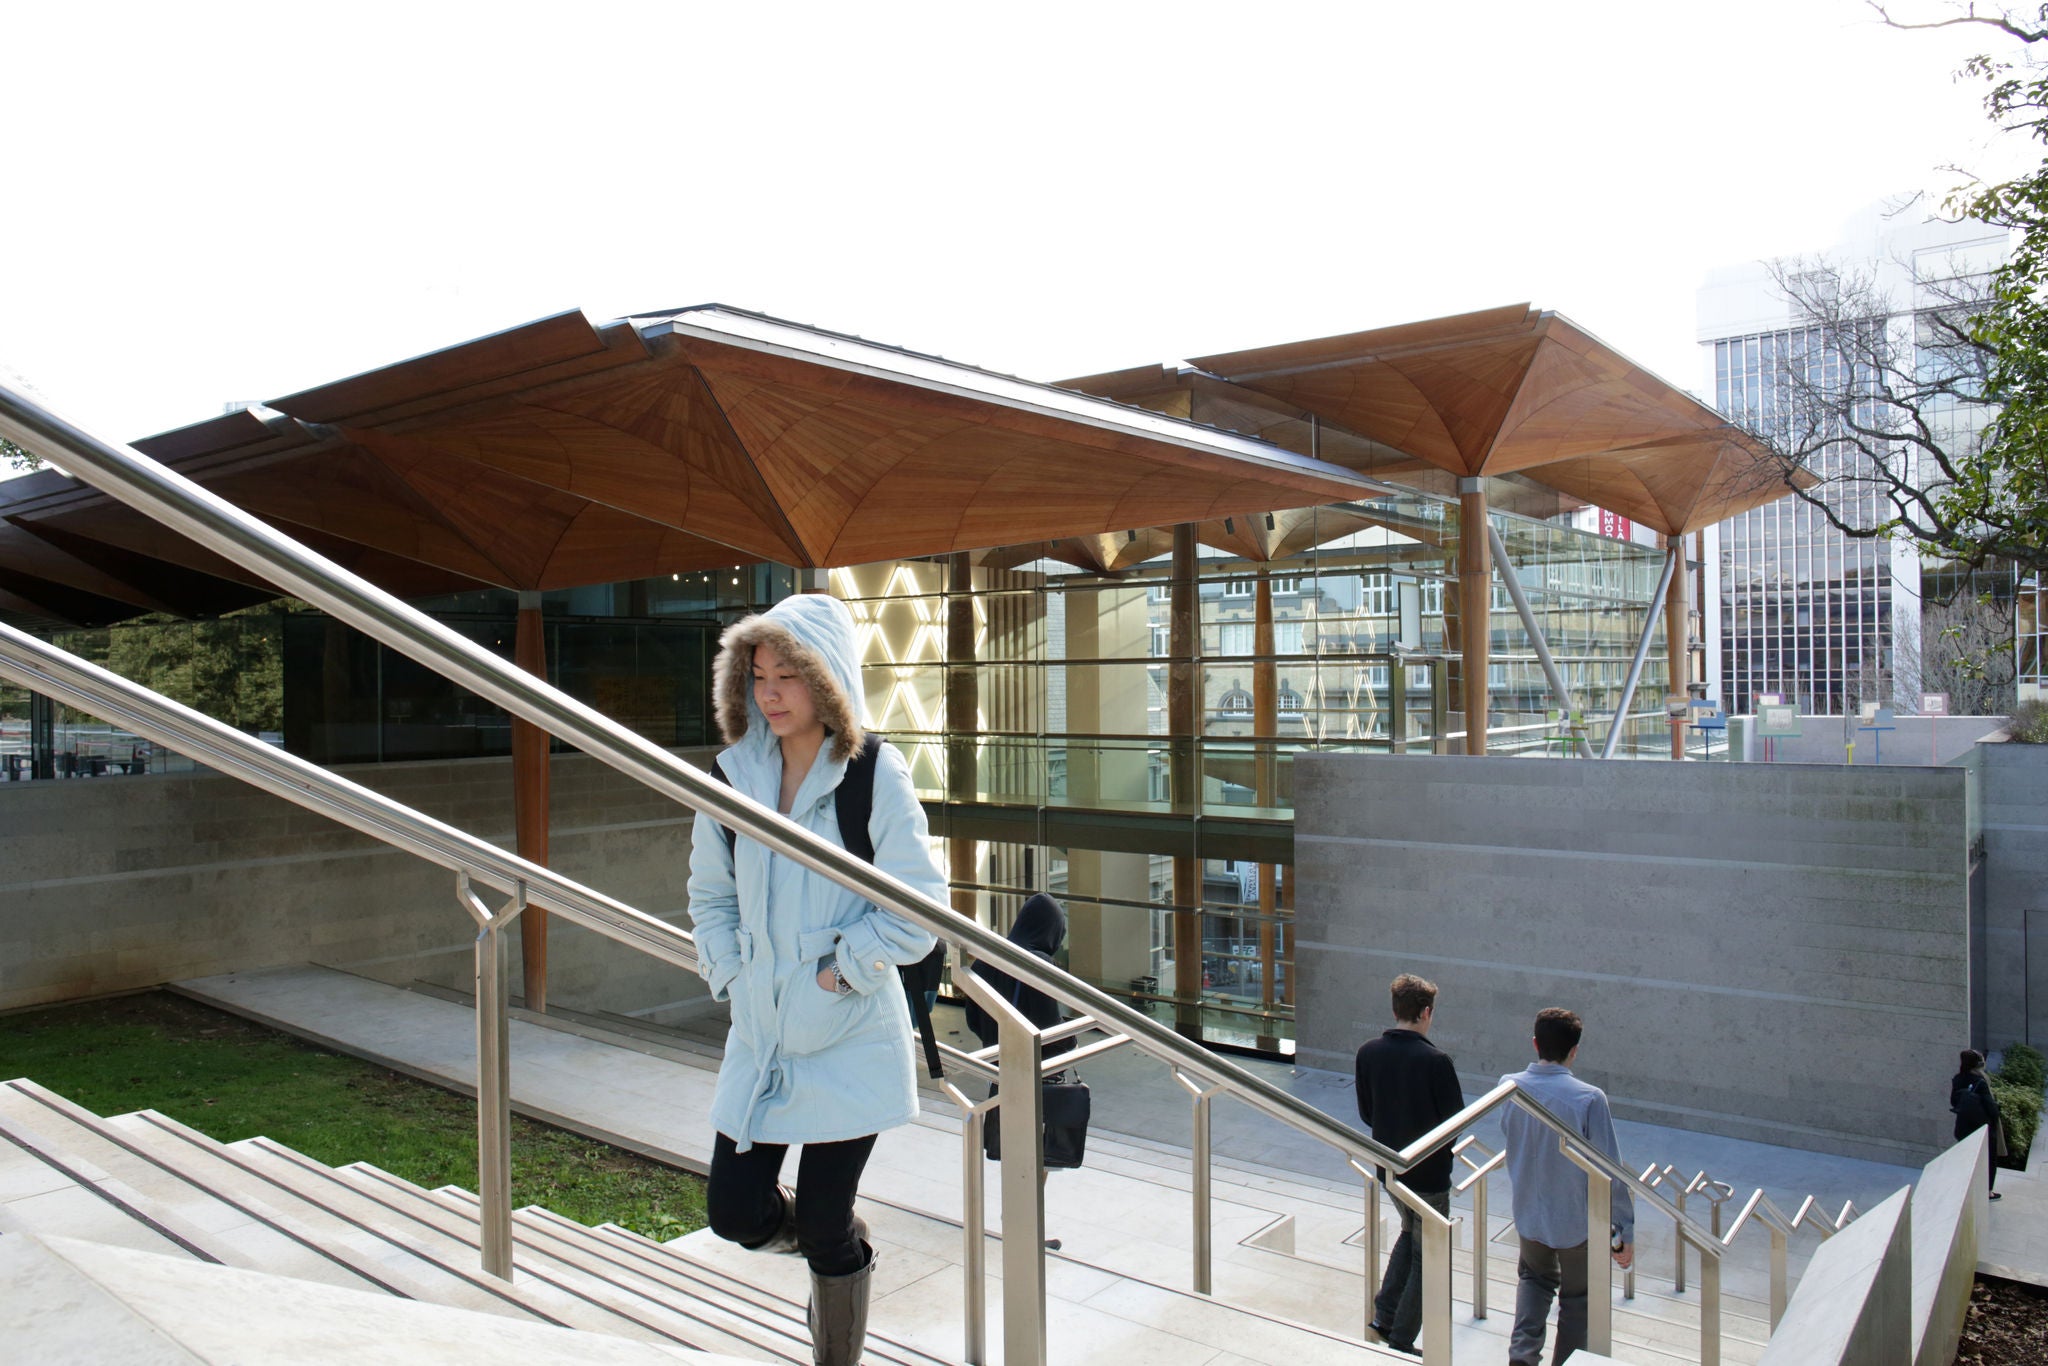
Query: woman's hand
x=827 y=981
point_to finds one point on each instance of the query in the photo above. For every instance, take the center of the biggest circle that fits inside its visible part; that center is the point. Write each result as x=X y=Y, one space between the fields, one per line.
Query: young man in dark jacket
x=1406 y=1087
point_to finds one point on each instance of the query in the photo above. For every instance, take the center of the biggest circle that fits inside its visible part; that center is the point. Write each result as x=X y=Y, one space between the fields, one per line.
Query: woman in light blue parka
x=820 y=1047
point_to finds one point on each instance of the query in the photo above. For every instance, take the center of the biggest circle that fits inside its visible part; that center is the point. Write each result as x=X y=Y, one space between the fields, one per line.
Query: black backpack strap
x=854 y=803
x=732 y=838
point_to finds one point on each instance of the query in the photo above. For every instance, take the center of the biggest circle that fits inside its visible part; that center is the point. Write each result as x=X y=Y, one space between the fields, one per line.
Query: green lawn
x=232 y=1079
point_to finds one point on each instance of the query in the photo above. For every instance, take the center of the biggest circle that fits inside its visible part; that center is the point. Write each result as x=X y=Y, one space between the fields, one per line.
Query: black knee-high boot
x=839 y=1313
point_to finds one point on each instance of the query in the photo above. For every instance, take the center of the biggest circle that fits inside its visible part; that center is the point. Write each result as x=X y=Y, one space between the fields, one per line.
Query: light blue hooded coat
x=802 y=1064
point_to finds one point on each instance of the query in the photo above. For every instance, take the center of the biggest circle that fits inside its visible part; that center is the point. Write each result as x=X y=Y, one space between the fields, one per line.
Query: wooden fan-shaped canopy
x=566 y=453
x=1519 y=391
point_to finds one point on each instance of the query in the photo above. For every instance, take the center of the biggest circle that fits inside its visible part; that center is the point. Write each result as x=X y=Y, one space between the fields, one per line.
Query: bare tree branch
x=2002 y=22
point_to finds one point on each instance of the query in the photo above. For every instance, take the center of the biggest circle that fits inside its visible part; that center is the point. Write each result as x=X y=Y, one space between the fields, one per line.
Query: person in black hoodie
x=1406 y=1087
x=1969 y=1096
x=1040 y=928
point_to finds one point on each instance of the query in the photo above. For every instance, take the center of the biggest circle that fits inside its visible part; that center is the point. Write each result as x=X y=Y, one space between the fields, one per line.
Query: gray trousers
x=1548 y=1272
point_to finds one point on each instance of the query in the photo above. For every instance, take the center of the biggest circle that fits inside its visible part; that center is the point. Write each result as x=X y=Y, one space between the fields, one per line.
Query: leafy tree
x=15 y=456
x=232 y=668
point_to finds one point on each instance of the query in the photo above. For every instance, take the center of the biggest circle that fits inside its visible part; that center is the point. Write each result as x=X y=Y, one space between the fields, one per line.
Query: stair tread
x=568 y=1294
x=230 y=1230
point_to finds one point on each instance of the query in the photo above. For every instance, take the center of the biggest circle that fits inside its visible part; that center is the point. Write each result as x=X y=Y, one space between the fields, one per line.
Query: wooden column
x=963 y=724
x=530 y=800
x=1266 y=771
x=1677 y=629
x=1183 y=712
x=1475 y=609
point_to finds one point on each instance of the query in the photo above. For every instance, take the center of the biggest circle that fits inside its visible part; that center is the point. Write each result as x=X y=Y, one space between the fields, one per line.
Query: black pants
x=745 y=1209
x=1398 y=1306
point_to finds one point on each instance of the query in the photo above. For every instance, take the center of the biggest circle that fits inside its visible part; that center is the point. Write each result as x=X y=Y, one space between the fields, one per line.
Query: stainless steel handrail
x=45 y=669
x=53 y=673
x=219 y=526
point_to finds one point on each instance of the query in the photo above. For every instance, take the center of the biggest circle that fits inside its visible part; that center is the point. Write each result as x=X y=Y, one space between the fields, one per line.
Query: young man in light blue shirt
x=1550 y=1192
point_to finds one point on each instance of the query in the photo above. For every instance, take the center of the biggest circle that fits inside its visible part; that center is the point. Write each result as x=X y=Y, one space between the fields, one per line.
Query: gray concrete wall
x=1771 y=952
x=111 y=884
x=2013 y=807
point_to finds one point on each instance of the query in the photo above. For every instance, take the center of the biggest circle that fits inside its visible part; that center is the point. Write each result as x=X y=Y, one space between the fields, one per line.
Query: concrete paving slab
x=75 y=1301
x=2014 y=1244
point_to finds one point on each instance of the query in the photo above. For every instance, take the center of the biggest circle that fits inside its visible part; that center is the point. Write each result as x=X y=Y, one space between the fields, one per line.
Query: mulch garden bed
x=2007 y=1326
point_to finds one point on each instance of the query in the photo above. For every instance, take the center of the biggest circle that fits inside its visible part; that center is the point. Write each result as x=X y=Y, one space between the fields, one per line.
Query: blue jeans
x=1398 y=1306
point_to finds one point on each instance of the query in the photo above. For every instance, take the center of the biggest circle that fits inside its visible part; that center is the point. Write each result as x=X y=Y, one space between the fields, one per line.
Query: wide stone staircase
x=137 y=1228
x=106 y=1196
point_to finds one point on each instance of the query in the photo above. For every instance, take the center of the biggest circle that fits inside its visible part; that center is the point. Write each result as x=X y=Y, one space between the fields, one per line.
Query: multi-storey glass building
x=1807 y=612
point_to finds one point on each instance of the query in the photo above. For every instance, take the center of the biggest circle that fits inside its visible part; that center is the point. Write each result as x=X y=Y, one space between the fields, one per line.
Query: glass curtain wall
x=1030 y=687
x=2030 y=632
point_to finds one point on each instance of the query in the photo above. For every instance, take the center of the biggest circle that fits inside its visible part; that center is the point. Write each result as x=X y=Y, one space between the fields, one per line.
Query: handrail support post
x=493 y=1082
x=1203 y=1184
x=1599 y=1265
x=1369 y=1236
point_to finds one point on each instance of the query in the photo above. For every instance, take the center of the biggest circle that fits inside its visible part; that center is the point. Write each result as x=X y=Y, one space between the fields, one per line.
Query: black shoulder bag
x=1066 y=1106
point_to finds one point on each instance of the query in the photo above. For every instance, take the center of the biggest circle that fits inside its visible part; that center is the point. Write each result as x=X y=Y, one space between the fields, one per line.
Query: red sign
x=1616 y=525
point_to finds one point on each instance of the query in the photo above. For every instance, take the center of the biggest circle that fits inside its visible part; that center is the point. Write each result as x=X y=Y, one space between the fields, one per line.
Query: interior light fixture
x=1270 y=524
x=1229 y=526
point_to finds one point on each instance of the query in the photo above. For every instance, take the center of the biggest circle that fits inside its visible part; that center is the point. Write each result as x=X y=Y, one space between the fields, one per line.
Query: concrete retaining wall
x=1950 y=1204
x=2013 y=788
x=1854 y=1305
x=1772 y=952
x=112 y=884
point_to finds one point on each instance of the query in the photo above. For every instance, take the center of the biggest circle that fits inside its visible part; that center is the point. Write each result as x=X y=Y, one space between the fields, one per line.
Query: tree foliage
x=231 y=668
x=14 y=456
x=2005 y=490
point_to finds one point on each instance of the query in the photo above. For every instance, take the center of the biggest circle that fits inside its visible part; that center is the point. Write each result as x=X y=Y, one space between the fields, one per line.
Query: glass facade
x=1118 y=738
x=1033 y=694
x=2030 y=636
x=1806 y=611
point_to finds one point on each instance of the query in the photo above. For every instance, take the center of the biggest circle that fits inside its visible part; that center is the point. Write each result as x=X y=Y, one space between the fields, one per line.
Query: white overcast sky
x=211 y=202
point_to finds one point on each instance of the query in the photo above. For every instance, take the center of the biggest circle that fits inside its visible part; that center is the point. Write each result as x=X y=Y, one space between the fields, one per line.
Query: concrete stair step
x=69 y=1300
x=560 y=1293
x=1332 y=1295
x=45 y=1190
x=230 y=1227
x=666 y=1272
x=1093 y=1313
x=409 y=1267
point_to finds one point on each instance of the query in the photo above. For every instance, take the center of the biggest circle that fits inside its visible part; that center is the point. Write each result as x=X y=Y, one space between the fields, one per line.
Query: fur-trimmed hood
x=814 y=632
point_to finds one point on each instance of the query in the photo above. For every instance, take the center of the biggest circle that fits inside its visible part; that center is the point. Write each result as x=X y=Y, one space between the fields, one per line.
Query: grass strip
x=232 y=1079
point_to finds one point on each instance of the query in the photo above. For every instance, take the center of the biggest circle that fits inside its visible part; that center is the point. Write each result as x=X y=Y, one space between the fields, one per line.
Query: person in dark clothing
x=1969 y=1096
x=1040 y=928
x=1406 y=1087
